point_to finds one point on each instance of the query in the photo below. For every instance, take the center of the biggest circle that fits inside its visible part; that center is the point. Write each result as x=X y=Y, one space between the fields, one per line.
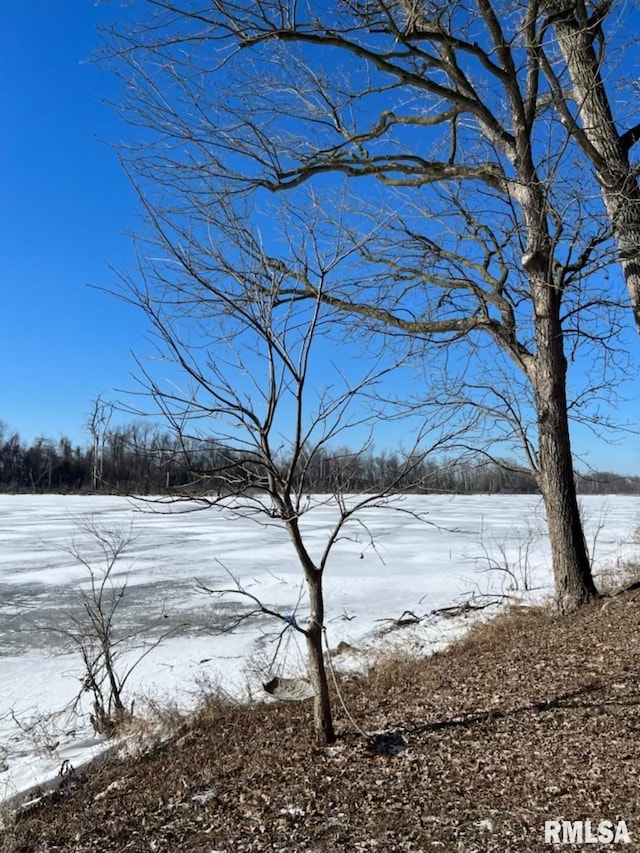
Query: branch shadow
x=394 y=739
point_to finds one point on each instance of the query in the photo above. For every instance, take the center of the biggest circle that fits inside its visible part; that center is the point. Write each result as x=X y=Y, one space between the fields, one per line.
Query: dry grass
x=619 y=577
x=530 y=718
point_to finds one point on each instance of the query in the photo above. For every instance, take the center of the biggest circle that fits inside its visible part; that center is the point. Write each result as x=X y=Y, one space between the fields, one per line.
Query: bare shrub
x=622 y=573
x=512 y=565
x=109 y=652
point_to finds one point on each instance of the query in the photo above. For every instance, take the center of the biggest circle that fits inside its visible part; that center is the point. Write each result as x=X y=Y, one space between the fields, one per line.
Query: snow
x=418 y=554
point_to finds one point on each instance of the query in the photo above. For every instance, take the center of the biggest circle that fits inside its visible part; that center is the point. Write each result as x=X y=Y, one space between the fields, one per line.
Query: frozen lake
x=437 y=551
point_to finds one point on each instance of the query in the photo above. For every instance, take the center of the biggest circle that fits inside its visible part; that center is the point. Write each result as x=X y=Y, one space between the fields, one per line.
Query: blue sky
x=66 y=206
x=66 y=210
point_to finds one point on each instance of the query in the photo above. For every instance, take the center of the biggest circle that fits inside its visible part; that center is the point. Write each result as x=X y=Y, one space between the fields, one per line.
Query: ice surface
x=419 y=553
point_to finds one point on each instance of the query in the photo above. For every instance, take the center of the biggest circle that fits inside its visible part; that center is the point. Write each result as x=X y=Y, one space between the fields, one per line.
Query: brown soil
x=530 y=718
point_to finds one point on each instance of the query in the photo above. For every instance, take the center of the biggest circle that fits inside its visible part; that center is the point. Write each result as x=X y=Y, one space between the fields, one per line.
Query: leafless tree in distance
x=98 y=425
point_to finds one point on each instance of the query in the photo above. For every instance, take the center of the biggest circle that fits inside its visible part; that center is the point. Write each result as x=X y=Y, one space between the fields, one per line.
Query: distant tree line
x=142 y=458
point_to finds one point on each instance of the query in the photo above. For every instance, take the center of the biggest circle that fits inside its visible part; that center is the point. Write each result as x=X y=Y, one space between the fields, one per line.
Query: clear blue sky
x=65 y=209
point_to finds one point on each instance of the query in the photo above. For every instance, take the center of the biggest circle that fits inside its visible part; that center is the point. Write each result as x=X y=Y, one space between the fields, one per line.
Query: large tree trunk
x=547 y=371
x=574 y=584
x=323 y=720
x=607 y=149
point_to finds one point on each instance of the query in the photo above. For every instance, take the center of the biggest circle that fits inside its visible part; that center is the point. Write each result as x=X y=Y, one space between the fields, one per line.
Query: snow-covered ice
x=434 y=553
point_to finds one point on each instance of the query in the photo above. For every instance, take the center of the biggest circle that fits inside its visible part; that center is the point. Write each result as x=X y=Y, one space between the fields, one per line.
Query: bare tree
x=255 y=377
x=98 y=426
x=425 y=134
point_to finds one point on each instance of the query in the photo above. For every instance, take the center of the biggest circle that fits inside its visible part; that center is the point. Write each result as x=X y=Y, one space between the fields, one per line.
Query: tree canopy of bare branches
x=427 y=141
x=254 y=375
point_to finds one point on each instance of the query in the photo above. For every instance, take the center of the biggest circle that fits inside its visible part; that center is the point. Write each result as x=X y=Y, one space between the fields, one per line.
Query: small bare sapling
x=110 y=650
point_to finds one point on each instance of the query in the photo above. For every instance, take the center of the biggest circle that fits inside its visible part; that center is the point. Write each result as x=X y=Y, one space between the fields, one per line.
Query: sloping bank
x=527 y=719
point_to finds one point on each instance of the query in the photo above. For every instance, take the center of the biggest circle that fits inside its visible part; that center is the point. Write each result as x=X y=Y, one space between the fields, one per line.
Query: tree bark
x=604 y=145
x=573 y=581
x=323 y=719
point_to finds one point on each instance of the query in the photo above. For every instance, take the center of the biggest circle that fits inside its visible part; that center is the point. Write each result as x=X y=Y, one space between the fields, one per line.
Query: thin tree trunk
x=574 y=584
x=323 y=720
